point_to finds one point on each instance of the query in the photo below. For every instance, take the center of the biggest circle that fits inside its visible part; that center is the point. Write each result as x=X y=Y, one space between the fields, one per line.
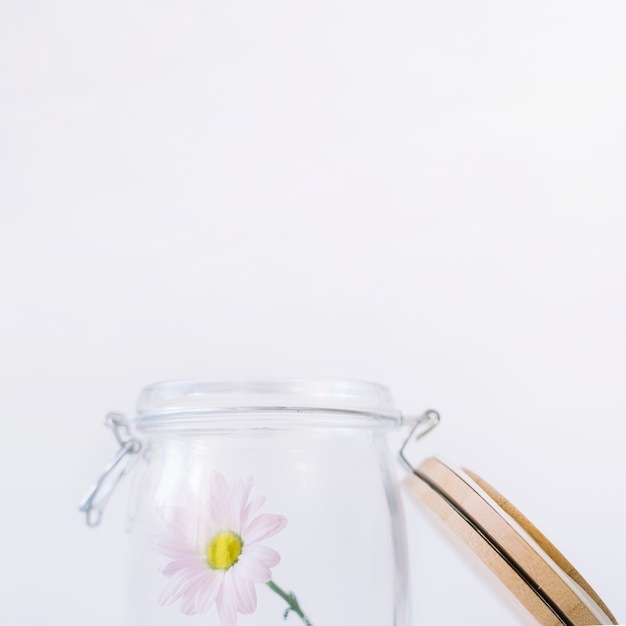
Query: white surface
x=430 y=195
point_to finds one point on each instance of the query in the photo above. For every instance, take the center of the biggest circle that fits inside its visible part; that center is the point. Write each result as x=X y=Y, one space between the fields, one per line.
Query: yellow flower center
x=224 y=550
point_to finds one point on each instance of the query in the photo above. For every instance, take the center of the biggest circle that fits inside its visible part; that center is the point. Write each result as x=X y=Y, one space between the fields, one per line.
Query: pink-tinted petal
x=171 y=545
x=245 y=592
x=263 y=554
x=177 y=585
x=238 y=497
x=251 y=508
x=264 y=526
x=207 y=594
x=189 y=600
x=175 y=518
x=182 y=524
x=219 y=486
x=194 y=563
x=188 y=605
x=226 y=601
x=219 y=509
x=167 y=596
x=184 y=580
x=253 y=570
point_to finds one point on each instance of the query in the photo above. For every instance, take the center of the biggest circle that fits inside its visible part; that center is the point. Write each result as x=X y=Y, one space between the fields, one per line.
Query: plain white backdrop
x=430 y=195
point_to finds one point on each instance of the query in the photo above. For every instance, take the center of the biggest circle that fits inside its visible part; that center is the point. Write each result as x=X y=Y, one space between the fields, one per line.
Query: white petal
x=218 y=483
x=264 y=526
x=227 y=601
x=251 y=508
x=171 y=545
x=246 y=594
x=175 y=518
x=177 y=585
x=219 y=509
x=168 y=596
x=238 y=497
x=265 y=555
x=188 y=603
x=194 y=563
x=253 y=569
x=185 y=579
x=207 y=594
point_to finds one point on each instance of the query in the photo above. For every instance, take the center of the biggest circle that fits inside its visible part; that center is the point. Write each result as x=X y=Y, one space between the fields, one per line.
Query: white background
x=426 y=194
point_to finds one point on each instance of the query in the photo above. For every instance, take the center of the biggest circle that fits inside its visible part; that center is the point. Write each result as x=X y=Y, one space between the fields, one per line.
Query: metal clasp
x=94 y=502
x=422 y=426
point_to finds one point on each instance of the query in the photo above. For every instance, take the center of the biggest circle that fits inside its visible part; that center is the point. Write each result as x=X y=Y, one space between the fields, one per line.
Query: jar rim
x=333 y=401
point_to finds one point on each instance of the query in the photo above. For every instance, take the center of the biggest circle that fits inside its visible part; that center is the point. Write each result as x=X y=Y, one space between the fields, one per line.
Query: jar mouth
x=340 y=402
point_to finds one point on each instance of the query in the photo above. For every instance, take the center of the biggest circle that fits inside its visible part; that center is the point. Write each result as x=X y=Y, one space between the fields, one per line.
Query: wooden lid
x=521 y=557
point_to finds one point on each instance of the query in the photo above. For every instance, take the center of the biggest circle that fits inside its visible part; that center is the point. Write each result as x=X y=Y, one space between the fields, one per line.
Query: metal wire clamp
x=94 y=502
x=422 y=426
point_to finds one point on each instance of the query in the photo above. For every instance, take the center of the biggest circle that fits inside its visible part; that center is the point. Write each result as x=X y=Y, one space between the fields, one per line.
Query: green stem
x=291 y=600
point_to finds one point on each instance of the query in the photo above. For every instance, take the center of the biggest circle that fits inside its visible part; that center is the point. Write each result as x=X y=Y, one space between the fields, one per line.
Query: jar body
x=341 y=548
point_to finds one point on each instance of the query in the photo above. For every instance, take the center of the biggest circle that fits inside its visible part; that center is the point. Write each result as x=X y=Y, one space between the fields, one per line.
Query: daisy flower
x=216 y=555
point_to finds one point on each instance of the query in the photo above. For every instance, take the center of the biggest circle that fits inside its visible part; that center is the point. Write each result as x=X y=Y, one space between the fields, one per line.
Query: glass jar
x=259 y=500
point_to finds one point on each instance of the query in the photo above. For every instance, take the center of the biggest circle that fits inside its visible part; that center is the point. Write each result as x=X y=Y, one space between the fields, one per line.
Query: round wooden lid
x=521 y=557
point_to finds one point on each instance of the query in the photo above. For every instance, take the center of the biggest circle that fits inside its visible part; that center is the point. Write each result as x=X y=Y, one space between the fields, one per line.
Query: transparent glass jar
x=258 y=500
